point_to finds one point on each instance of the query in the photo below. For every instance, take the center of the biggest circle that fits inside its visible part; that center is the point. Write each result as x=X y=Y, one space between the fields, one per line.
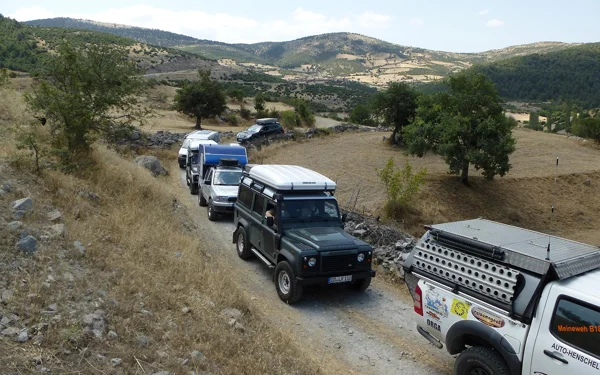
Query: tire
x=181 y=166
x=187 y=180
x=478 y=360
x=193 y=189
x=361 y=285
x=286 y=283
x=212 y=214
x=242 y=245
x=201 y=200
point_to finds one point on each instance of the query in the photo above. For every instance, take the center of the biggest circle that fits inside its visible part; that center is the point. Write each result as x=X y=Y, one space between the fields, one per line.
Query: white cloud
x=216 y=26
x=494 y=23
x=416 y=22
x=484 y=12
x=374 y=20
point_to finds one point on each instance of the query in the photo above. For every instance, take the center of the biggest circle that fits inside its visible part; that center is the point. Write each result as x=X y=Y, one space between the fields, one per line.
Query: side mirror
x=270 y=221
x=344 y=217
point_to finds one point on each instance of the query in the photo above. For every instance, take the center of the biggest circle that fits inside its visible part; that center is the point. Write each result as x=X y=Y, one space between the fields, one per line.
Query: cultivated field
x=524 y=197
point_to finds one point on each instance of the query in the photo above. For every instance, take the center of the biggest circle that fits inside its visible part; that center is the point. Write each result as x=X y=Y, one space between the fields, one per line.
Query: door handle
x=554 y=355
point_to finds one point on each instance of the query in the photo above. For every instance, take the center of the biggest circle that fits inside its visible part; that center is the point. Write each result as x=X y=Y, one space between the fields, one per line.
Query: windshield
x=309 y=210
x=254 y=128
x=228 y=177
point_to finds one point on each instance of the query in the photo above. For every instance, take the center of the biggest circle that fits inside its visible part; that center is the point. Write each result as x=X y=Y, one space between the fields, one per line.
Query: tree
x=201 y=99
x=236 y=94
x=361 y=114
x=85 y=92
x=259 y=102
x=534 y=120
x=549 y=123
x=3 y=77
x=465 y=126
x=397 y=106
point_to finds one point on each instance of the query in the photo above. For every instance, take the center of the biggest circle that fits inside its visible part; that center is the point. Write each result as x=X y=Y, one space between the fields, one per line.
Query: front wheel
x=478 y=360
x=286 y=283
x=193 y=188
x=201 y=200
x=242 y=245
x=212 y=214
x=361 y=285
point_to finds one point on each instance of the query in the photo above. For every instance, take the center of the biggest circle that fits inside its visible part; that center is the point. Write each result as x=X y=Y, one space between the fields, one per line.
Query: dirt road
x=368 y=333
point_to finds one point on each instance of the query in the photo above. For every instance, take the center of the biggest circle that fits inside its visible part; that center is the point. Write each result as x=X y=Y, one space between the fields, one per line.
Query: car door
x=269 y=233
x=205 y=190
x=569 y=332
x=256 y=217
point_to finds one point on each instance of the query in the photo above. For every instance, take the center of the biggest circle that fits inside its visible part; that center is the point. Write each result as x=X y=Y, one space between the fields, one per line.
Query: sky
x=455 y=26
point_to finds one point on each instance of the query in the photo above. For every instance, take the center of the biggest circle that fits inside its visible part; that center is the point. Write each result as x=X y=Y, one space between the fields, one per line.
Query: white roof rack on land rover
x=291 y=177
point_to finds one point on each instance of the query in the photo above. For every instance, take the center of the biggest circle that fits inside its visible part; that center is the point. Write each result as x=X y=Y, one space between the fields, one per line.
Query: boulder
x=152 y=164
x=58 y=230
x=22 y=207
x=14 y=225
x=28 y=245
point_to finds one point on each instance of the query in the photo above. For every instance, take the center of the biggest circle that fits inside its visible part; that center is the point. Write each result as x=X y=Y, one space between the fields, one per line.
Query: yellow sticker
x=460 y=308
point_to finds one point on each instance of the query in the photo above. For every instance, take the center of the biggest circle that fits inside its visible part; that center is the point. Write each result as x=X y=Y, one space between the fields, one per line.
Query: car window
x=254 y=128
x=259 y=204
x=245 y=196
x=577 y=324
x=185 y=143
x=228 y=177
x=318 y=209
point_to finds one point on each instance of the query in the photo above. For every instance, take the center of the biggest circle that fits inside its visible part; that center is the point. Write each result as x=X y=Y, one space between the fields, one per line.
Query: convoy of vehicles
x=506 y=299
x=263 y=127
x=287 y=217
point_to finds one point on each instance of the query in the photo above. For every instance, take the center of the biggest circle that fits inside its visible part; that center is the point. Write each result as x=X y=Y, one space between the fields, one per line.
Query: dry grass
x=523 y=197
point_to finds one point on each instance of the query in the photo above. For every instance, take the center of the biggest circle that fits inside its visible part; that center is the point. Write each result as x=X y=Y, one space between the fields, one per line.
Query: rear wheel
x=286 y=283
x=242 y=245
x=193 y=189
x=361 y=285
x=212 y=214
x=478 y=360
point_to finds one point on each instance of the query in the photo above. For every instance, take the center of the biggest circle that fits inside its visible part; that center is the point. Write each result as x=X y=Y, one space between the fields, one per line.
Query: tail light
x=418 y=299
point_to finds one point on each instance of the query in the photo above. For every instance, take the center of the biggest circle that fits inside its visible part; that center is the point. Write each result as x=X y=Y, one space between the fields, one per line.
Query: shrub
x=233 y=120
x=12 y=75
x=245 y=113
x=290 y=119
x=273 y=113
x=587 y=128
x=401 y=185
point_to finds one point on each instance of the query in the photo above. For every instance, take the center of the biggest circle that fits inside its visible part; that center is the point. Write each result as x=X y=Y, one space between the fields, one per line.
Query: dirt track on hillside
x=371 y=332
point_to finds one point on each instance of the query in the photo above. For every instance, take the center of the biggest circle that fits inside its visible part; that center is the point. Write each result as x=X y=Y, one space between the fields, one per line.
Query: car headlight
x=221 y=199
x=361 y=257
x=312 y=262
x=195 y=169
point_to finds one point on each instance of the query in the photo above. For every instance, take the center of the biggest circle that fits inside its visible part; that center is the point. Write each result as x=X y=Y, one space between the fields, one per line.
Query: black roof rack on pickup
x=503 y=264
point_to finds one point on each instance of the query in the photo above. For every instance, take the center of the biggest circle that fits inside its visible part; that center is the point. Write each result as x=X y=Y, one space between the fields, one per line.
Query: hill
x=321 y=57
x=570 y=74
x=24 y=47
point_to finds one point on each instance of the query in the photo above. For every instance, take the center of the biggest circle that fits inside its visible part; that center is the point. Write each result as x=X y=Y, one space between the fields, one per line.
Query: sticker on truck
x=487 y=318
x=460 y=308
x=434 y=302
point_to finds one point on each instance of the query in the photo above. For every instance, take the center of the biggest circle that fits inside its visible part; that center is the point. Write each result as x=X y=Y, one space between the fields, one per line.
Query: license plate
x=340 y=279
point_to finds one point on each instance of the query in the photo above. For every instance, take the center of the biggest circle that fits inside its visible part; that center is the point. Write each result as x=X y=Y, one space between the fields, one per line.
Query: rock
x=58 y=230
x=587 y=182
x=54 y=215
x=359 y=233
x=143 y=341
x=338 y=345
x=23 y=336
x=88 y=195
x=52 y=307
x=231 y=313
x=178 y=254
x=161 y=373
x=152 y=164
x=185 y=310
x=197 y=356
x=22 y=207
x=146 y=312
x=14 y=225
x=28 y=245
x=6 y=187
x=6 y=297
x=238 y=326
x=112 y=335
x=232 y=322
x=10 y=332
x=135 y=135
x=79 y=246
x=2 y=192
x=116 y=361
x=5 y=321
x=100 y=357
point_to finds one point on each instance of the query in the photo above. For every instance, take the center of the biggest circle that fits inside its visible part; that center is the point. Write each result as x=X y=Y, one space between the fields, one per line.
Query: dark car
x=264 y=127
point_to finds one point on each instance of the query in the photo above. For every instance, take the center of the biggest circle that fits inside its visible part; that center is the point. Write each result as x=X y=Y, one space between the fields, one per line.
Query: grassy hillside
x=322 y=57
x=571 y=74
x=24 y=47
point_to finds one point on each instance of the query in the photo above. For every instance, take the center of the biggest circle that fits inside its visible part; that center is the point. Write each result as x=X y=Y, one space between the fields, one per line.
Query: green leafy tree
x=549 y=123
x=401 y=185
x=465 y=126
x=396 y=106
x=236 y=94
x=534 y=120
x=201 y=99
x=290 y=119
x=259 y=102
x=361 y=114
x=587 y=128
x=3 y=77
x=84 y=92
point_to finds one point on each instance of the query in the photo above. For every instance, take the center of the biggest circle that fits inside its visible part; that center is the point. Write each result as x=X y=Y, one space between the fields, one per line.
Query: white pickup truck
x=506 y=299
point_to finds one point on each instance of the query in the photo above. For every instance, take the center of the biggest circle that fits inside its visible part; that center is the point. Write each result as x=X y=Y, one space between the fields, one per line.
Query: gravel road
x=368 y=333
